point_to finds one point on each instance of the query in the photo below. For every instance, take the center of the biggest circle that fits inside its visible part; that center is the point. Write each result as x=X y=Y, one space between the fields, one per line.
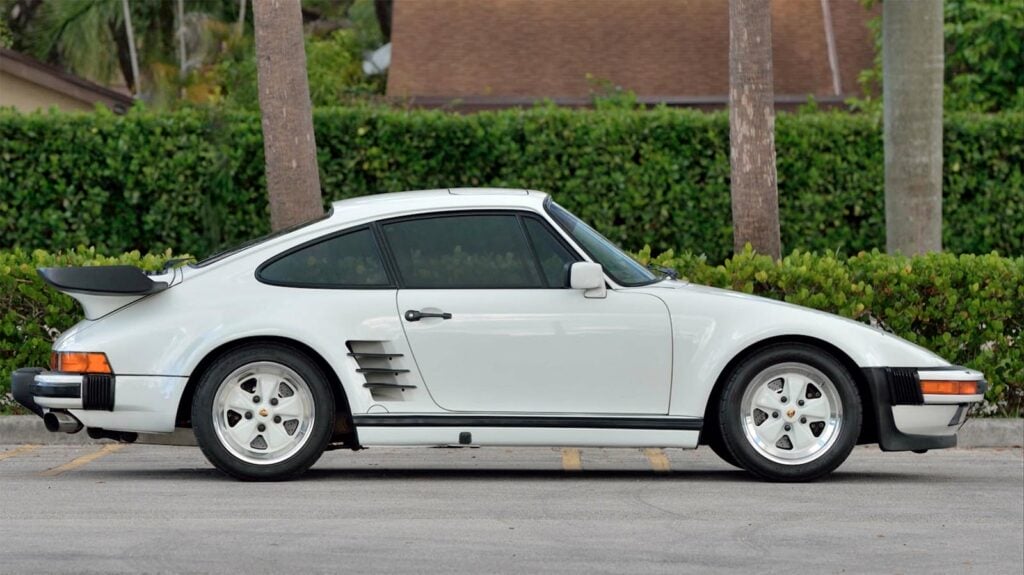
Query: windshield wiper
x=667 y=272
x=174 y=262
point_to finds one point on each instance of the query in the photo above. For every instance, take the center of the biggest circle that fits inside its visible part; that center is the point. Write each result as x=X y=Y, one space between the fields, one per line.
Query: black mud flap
x=21 y=388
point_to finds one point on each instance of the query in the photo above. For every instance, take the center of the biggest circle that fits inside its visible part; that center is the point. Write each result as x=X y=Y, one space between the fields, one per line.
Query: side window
x=350 y=260
x=554 y=257
x=472 y=251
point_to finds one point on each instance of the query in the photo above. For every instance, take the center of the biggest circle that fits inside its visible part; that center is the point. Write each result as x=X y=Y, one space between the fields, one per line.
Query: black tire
x=318 y=432
x=756 y=460
x=718 y=446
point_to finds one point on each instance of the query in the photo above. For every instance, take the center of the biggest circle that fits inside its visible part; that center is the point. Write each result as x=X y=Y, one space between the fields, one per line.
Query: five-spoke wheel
x=263 y=411
x=790 y=412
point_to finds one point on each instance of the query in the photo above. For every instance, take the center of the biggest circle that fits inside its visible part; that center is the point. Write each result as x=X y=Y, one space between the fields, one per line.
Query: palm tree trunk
x=240 y=27
x=180 y=33
x=293 y=180
x=912 y=68
x=755 y=195
x=130 y=34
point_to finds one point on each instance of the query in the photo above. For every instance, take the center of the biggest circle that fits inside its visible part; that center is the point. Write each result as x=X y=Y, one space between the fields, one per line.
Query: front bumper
x=144 y=404
x=907 y=420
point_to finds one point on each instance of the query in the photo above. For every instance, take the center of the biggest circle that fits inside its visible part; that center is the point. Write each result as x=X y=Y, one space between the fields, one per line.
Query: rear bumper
x=144 y=404
x=906 y=420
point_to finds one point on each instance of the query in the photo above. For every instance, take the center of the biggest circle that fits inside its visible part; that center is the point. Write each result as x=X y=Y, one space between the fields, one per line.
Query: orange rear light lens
x=80 y=362
x=931 y=387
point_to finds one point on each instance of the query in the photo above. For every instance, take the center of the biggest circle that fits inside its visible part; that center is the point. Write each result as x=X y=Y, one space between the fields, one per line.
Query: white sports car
x=475 y=317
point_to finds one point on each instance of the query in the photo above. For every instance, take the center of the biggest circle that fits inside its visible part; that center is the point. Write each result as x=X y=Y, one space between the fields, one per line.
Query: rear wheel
x=790 y=412
x=263 y=412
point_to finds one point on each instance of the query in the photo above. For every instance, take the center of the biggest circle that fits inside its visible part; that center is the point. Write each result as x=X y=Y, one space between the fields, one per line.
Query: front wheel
x=790 y=412
x=263 y=412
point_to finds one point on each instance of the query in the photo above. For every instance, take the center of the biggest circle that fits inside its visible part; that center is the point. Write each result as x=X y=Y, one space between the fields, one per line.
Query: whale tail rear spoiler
x=102 y=289
x=101 y=280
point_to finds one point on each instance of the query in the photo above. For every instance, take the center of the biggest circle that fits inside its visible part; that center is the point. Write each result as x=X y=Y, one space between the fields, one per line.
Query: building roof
x=53 y=78
x=514 y=52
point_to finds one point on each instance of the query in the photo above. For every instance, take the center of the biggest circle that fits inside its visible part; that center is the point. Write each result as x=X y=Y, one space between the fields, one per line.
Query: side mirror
x=589 y=277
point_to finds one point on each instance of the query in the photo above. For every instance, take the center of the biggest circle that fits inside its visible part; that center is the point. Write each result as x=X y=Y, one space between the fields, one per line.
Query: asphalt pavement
x=139 y=508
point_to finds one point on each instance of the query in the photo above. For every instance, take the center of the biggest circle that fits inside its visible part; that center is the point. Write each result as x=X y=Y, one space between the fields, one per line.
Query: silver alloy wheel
x=263 y=412
x=791 y=413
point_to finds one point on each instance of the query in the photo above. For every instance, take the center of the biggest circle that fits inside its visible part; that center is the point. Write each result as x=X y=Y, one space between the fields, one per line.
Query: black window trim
x=392 y=265
x=391 y=284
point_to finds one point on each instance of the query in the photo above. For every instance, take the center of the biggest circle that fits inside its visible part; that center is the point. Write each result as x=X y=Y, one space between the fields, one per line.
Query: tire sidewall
x=323 y=405
x=730 y=413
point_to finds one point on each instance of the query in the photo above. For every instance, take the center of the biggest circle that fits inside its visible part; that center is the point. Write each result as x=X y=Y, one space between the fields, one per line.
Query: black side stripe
x=674 y=423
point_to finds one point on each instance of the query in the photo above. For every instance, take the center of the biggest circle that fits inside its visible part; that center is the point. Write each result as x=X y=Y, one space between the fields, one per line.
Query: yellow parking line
x=83 y=460
x=18 y=451
x=571 y=460
x=658 y=459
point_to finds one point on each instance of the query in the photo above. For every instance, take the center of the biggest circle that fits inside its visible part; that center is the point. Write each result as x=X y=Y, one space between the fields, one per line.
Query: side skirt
x=509 y=430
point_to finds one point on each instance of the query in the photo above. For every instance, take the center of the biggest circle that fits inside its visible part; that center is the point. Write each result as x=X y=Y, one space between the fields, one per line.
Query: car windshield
x=250 y=243
x=624 y=270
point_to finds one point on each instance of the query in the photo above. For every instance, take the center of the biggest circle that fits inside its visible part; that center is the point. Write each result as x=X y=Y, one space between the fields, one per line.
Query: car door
x=493 y=327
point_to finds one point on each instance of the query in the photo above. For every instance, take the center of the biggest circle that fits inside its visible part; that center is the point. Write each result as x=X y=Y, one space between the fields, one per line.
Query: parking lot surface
x=138 y=508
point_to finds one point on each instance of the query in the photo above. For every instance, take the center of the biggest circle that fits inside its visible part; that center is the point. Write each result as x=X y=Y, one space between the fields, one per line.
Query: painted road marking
x=18 y=451
x=658 y=459
x=83 y=460
x=571 y=460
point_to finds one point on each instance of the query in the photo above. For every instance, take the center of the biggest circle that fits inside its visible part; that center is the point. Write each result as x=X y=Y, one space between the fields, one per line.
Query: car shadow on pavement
x=498 y=474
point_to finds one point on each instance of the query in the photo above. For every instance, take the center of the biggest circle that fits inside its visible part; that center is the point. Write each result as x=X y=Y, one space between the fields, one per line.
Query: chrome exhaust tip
x=61 y=422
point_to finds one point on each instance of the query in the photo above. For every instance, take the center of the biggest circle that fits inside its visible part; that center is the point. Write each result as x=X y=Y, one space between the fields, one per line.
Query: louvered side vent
x=904 y=386
x=384 y=371
x=98 y=392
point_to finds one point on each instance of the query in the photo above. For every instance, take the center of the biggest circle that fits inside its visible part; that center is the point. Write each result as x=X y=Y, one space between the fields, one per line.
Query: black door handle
x=417 y=315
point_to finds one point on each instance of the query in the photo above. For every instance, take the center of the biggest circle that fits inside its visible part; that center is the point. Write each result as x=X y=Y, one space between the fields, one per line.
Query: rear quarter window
x=350 y=260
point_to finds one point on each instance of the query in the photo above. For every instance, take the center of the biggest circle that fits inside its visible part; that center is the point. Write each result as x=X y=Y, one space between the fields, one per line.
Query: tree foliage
x=984 y=67
x=984 y=55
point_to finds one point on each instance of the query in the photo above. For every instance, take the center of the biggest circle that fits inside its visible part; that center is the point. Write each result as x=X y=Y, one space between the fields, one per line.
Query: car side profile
x=475 y=317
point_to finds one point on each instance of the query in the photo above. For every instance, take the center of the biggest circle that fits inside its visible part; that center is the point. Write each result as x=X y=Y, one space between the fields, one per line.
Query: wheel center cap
x=790 y=413
x=263 y=412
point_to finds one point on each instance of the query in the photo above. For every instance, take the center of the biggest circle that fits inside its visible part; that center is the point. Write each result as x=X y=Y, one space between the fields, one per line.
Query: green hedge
x=193 y=180
x=969 y=309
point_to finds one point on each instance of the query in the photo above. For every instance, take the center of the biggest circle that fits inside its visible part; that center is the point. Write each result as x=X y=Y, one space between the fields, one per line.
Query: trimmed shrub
x=969 y=309
x=193 y=180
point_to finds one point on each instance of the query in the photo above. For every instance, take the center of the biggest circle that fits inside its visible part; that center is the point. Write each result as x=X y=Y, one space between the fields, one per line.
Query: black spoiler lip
x=101 y=280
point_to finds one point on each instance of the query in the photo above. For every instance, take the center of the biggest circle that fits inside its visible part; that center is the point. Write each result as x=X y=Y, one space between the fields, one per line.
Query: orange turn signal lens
x=79 y=362
x=932 y=387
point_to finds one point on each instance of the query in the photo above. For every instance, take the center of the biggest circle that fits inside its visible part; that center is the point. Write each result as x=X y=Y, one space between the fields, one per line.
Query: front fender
x=711 y=327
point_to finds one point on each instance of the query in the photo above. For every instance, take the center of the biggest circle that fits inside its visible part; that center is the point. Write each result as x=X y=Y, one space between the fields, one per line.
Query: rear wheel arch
x=869 y=427
x=344 y=430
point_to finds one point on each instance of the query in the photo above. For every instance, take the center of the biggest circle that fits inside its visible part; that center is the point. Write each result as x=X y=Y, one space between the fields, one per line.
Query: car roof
x=379 y=206
x=387 y=205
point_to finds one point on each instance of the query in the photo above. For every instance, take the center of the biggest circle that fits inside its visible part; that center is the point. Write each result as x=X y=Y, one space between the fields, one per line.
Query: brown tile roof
x=663 y=50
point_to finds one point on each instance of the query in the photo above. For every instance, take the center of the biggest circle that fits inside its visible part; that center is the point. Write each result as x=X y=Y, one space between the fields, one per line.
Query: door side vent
x=384 y=371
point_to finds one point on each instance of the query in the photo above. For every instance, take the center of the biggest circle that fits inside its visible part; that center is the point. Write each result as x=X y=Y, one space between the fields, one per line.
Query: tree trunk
x=132 y=55
x=293 y=180
x=755 y=195
x=912 y=68
x=384 y=9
